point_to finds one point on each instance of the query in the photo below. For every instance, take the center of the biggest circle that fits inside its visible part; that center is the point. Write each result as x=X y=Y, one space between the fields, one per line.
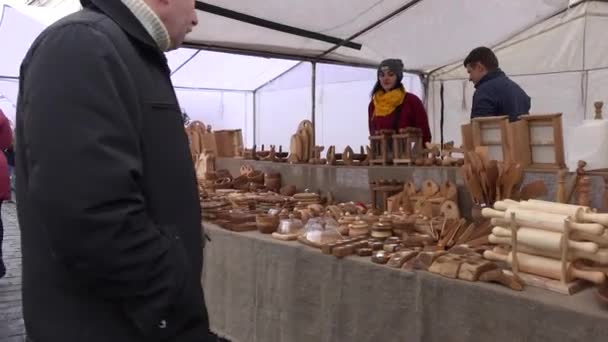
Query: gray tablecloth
x=262 y=290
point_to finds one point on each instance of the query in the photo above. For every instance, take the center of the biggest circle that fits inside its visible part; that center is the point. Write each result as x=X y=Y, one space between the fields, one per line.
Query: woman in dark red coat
x=392 y=107
x=6 y=139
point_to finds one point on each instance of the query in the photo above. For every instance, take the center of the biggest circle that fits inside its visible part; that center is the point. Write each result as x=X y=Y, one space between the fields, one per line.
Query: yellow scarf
x=386 y=102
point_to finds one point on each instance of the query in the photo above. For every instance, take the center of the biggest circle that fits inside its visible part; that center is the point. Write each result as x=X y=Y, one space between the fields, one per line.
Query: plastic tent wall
x=342 y=97
x=560 y=62
x=217 y=88
x=16 y=33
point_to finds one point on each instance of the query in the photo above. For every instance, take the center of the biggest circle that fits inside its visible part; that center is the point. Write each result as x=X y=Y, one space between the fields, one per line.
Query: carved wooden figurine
x=348 y=155
x=272 y=154
x=331 y=155
x=316 y=155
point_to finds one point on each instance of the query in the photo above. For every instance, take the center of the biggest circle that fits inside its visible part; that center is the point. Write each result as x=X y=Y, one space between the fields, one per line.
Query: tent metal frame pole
x=246 y=18
x=287 y=56
x=255 y=116
x=372 y=26
x=313 y=114
x=211 y=89
x=185 y=62
x=278 y=76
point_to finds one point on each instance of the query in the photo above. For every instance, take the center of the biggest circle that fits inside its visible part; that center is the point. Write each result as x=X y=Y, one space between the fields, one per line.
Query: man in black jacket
x=495 y=94
x=108 y=205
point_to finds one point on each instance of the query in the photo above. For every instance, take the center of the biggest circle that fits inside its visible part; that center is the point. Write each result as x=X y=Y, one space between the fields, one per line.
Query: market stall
x=432 y=243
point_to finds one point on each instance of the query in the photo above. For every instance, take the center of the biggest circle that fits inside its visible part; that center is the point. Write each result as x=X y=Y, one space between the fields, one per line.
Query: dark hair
x=378 y=86
x=482 y=55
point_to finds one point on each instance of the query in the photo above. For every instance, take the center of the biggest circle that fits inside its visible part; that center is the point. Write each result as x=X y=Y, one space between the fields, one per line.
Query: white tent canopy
x=426 y=34
x=550 y=47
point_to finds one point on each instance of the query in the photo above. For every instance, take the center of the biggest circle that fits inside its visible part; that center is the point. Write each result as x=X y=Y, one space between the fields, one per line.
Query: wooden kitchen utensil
x=499 y=276
x=546 y=267
x=471 y=268
x=542 y=220
x=582 y=213
x=541 y=239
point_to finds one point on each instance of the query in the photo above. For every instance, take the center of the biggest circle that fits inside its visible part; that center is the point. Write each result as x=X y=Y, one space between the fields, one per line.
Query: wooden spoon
x=493 y=175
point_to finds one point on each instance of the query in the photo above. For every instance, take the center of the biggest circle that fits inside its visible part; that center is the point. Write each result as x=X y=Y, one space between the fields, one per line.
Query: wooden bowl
x=241 y=182
x=256 y=177
x=288 y=190
x=267 y=224
x=223 y=183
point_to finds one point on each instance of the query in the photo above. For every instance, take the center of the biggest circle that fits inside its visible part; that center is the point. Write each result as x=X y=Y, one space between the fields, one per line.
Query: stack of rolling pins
x=557 y=241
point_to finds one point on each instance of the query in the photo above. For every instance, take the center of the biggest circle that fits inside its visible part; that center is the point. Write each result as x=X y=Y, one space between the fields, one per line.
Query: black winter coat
x=108 y=205
x=496 y=94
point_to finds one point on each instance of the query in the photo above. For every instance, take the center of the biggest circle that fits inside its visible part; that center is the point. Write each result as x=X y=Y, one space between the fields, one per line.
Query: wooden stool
x=407 y=145
x=386 y=189
x=379 y=147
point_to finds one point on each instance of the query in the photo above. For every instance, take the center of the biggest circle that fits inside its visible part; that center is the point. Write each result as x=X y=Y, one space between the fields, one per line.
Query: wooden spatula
x=492 y=172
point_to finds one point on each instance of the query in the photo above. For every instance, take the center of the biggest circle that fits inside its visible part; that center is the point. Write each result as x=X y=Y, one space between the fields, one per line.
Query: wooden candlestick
x=584 y=191
x=598 y=110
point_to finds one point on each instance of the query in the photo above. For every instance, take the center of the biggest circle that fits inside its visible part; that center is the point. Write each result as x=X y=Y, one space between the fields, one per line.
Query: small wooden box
x=539 y=141
x=492 y=132
x=229 y=143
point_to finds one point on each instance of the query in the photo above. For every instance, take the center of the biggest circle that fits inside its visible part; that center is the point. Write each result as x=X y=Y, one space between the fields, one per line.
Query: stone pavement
x=11 y=317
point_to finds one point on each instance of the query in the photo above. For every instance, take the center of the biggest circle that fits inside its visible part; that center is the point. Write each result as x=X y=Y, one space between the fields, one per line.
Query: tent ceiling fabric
x=238 y=72
x=427 y=35
x=572 y=39
x=245 y=73
x=430 y=34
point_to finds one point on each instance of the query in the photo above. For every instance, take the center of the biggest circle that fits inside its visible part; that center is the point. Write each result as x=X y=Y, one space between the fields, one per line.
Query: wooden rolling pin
x=544 y=240
x=542 y=220
x=600 y=257
x=505 y=204
x=580 y=213
x=546 y=267
x=600 y=240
